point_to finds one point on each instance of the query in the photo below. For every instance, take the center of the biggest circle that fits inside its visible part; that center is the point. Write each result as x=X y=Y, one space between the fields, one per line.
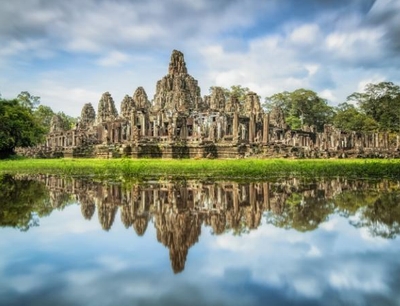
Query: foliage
x=18 y=127
x=235 y=90
x=377 y=208
x=349 y=118
x=303 y=213
x=22 y=202
x=68 y=121
x=27 y=100
x=43 y=115
x=301 y=107
x=381 y=102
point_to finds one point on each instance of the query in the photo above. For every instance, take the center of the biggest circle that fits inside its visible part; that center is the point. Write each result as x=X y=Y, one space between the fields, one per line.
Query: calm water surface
x=286 y=242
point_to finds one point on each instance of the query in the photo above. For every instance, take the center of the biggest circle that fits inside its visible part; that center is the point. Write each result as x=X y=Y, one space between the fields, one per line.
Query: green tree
x=18 y=127
x=235 y=90
x=68 y=121
x=300 y=107
x=349 y=118
x=27 y=100
x=43 y=115
x=382 y=103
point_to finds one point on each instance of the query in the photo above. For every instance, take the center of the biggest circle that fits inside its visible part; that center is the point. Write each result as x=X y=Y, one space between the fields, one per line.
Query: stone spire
x=277 y=117
x=140 y=98
x=252 y=103
x=177 y=64
x=216 y=101
x=106 y=110
x=88 y=115
x=127 y=106
x=177 y=91
x=233 y=104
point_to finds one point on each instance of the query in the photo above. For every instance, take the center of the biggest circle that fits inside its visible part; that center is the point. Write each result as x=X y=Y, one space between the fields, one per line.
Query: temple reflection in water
x=179 y=210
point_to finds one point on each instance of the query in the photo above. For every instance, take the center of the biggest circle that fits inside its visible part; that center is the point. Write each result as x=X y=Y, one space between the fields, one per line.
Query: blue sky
x=70 y=52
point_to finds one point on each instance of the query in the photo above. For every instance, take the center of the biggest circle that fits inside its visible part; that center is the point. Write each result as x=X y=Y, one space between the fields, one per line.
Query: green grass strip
x=253 y=169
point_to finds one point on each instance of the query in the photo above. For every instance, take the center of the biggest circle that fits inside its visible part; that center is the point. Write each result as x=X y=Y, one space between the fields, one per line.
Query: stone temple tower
x=106 y=108
x=177 y=91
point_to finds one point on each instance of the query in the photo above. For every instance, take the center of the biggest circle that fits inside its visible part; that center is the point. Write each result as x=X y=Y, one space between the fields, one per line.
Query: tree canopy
x=301 y=107
x=18 y=127
x=381 y=102
x=349 y=118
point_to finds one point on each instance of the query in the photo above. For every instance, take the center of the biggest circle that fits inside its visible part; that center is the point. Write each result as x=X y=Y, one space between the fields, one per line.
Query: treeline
x=24 y=122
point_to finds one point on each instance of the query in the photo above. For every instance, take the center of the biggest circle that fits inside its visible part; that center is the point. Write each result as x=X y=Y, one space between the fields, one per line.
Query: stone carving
x=128 y=106
x=106 y=110
x=277 y=118
x=215 y=101
x=232 y=105
x=140 y=99
x=177 y=91
x=252 y=103
x=88 y=115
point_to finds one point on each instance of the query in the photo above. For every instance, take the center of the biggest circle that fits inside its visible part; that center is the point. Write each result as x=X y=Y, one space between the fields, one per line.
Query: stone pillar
x=235 y=192
x=235 y=127
x=73 y=138
x=252 y=197
x=266 y=203
x=155 y=128
x=265 y=139
x=133 y=124
x=143 y=123
x=184 y=131
x=398 y=141
x=219 y=130
x=194 y=129
x=112 y=132
x=252 y=128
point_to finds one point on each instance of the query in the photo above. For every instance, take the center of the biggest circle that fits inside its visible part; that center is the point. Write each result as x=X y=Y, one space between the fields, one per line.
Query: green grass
x=253 y=169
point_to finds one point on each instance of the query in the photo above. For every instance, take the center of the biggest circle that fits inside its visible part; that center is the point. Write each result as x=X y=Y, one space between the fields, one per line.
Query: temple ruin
x=179 y=123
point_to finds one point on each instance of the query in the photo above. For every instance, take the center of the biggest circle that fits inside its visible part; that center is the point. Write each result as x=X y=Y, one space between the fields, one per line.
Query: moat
x=282 y=242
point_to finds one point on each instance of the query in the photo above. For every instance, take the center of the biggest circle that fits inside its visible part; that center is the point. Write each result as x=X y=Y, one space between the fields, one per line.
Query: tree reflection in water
x=178 y=210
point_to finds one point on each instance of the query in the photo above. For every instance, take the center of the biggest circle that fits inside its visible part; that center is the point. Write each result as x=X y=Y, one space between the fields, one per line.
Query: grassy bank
x=205 y=169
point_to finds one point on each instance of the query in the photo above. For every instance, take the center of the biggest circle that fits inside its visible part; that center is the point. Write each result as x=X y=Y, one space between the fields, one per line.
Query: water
x=286 y=242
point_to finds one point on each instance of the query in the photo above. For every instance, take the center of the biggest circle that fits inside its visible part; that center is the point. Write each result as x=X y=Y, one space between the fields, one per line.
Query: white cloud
x=331 y=49
x=328 y=95
x=114 y=58
x=306 y=34
x=373 y=79
x=355 y=46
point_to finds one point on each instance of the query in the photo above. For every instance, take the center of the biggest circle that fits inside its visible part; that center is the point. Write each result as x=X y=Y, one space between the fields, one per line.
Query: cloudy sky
x=70 y=52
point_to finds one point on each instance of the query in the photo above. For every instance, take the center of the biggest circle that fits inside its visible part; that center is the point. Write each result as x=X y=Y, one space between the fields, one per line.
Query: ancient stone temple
x=180 y=123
